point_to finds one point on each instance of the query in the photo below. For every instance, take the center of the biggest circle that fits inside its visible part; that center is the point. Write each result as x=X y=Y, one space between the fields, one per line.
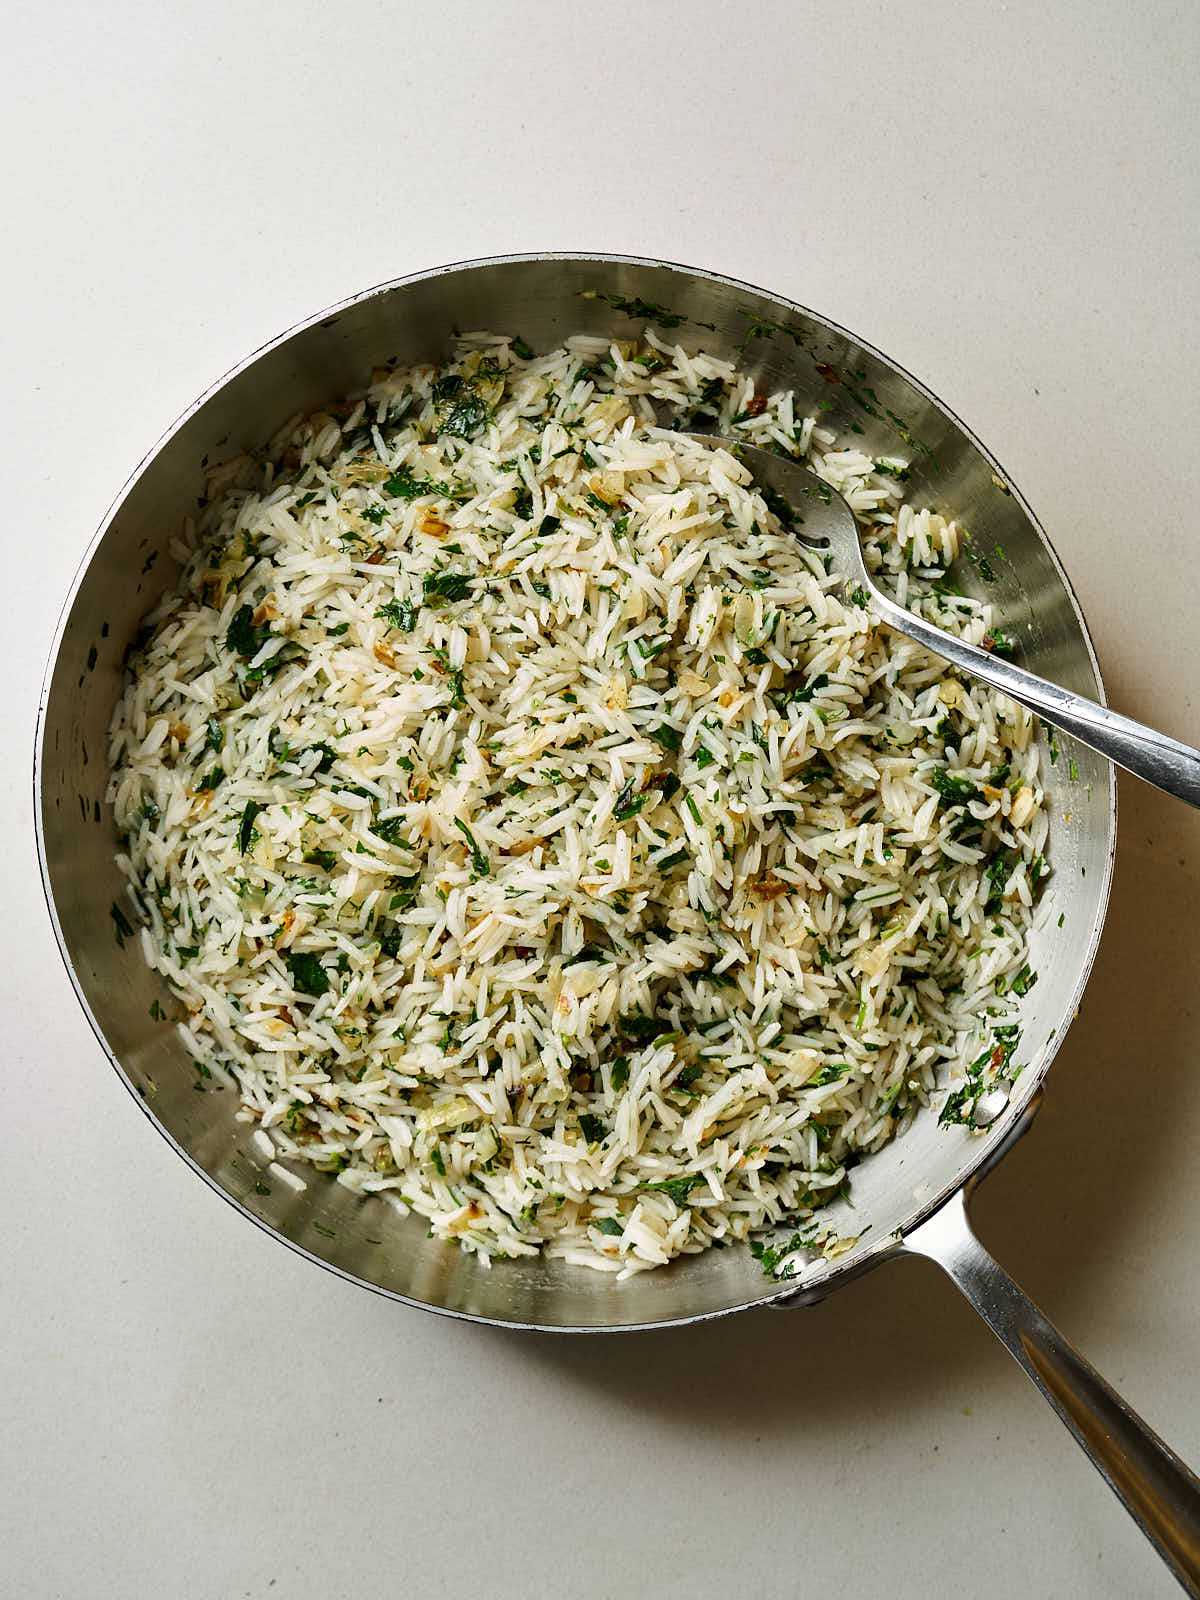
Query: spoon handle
x=1148 y=754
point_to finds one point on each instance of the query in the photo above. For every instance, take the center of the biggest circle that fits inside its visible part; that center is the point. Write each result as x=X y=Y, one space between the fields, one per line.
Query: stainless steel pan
x=911 y=1198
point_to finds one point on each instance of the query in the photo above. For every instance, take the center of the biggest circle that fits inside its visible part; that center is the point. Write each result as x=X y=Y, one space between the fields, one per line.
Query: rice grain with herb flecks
x=533 y=831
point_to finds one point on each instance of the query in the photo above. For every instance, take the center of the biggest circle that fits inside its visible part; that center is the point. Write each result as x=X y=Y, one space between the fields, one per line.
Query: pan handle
x=1160 y=1492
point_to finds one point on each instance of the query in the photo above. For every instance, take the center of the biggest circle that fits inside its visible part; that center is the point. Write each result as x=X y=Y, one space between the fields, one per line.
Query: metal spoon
x=829 y=522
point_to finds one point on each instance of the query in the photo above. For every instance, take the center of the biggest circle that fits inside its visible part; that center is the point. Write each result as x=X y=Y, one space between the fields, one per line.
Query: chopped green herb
x=620 y=1072
x=589 y=952
x=785 y=512
x=997 y=873
x=243 y=636
x=390 y=831
x=214 y=738
x=246 y=826
x=446 y=588
x=402 y=485
x=399 y=614
x=309 y=976
x=954 y=790
x=628 y=802
x=641 y=1029
x=210 y=780
x=479 y=862
x=829 y=1074
x=592 y=1128
x=803 y=694
x=1001 y=644
x=608 y=1225
x=771 y=1255
x=676 y=1189
x=644 y=310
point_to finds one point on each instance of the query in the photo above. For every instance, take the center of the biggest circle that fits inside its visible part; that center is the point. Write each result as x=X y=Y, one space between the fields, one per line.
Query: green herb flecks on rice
x=535 y=833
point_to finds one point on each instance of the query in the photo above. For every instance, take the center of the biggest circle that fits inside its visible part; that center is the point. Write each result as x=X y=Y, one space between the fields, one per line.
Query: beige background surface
x=1004 y=198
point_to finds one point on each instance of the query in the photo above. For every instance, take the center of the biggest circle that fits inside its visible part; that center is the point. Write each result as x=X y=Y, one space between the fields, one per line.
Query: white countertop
x=1004 y=198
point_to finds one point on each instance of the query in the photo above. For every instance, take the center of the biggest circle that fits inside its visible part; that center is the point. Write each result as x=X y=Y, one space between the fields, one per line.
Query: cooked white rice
x=529 y=827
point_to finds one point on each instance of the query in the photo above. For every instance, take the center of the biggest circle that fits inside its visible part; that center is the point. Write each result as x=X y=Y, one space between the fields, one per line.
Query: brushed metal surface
x=545 y=298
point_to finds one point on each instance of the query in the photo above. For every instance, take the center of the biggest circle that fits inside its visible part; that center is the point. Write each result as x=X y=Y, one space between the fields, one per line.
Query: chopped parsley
x=402 y=485
x=479 y=862
x=640 y=1029
x=676 y=1189
x=464 y=410
x=629 y=802
x=446 y=588
x=771 y=1255
x=996 y=874
x=243 y=636
x=829 y=1074
x=246 y=826
x=399 y=614
x=954 y=789
x=999 y=643
x=391 y=831
x=804 y=692
x=308 y=975
x=644 y=310
x=589 y=952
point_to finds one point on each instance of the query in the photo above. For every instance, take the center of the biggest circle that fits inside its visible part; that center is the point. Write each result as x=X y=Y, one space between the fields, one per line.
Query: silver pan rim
x=1030 y=1082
